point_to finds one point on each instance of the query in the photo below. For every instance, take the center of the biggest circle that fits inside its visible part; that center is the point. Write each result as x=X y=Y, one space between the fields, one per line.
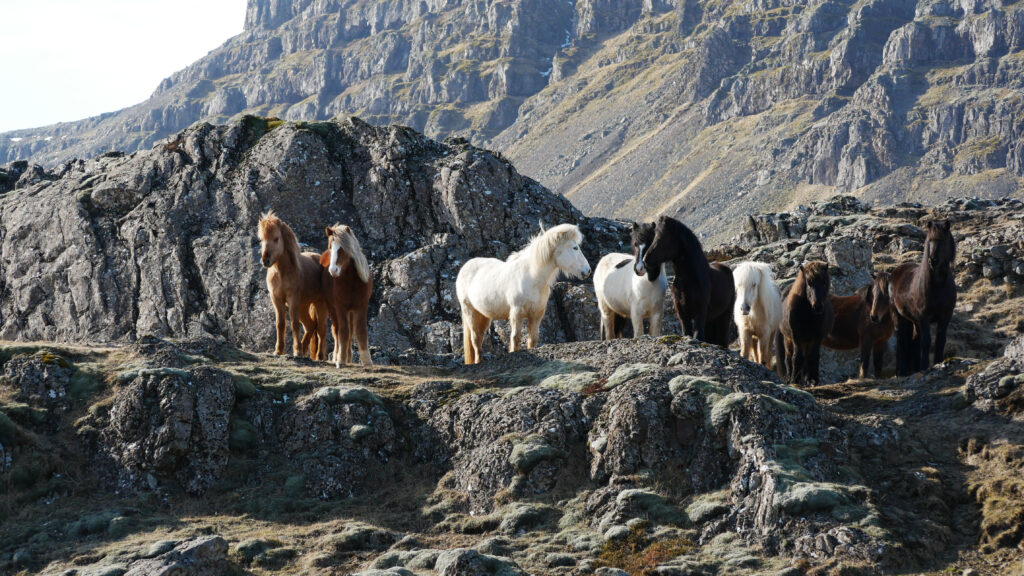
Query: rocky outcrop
x=741 y=109
x=164 y=242
x=171 y=424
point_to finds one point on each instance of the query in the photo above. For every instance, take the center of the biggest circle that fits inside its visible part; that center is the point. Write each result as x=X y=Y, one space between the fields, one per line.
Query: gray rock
x=171 y=423
x=202 y=556
x=41 y=378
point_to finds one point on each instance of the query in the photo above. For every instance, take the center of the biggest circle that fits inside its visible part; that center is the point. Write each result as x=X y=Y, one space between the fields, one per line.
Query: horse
x=703 y=294
x=758 y=311
x=864 y=320
x=347 y=288
x=516 y=289
x=293 y=279
x=924 y=294
x=622 y=294
x=807 y=317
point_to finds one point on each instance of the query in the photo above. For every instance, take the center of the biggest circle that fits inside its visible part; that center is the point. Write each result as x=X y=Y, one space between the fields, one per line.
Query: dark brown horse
x=703 y=293
x=924 y=294
x=865 y=321
x=347 y=287
x=807 y=317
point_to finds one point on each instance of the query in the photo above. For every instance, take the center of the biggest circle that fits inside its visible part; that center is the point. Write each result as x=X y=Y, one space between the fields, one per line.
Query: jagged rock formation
x=710 y=110
x=163 y=241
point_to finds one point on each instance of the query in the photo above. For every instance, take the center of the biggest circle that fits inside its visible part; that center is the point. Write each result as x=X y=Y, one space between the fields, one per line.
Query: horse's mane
x=686 y=237
x=743 y=270
x=542 y=247
x=268 y=221
x=350 y=244
x=815 y=271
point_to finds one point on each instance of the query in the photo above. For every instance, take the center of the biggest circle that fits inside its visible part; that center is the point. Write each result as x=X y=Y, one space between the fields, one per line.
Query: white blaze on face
x=638 y=266
x=334 y=269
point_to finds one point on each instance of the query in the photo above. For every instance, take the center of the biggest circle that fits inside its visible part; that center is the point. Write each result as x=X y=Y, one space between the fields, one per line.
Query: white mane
x=542 y=247
x=350 y=244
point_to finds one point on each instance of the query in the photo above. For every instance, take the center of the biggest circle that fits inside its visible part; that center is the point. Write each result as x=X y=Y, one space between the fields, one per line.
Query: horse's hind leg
x=866 y=346
x=321 y=332
x=636 y=317
x=765 y=351
x=607 y=323
x=781 y=360
x=362 y=337
x=656 y=317
x=478 y=328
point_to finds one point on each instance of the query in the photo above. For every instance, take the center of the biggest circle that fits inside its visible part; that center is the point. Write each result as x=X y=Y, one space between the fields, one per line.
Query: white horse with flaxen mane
x=621 y=294
x=758 y=311
x=516 y=289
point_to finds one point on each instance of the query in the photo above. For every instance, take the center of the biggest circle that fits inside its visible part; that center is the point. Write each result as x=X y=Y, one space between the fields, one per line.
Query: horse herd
x=708 y=297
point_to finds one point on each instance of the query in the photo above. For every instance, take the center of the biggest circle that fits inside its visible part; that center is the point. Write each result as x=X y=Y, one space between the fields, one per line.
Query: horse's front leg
x=814 y=363
x=701 y=325
x=656 y=323
x=515 y=321
x=924 y=331
x=295 y=317
x=746 y=344
x=280 y=319
x=533 y=329
x=765 y=347
x=799 y=365
x=866 y=346
x=904 y=346
x=879 y=359
x=940 y=340
x=636 y=317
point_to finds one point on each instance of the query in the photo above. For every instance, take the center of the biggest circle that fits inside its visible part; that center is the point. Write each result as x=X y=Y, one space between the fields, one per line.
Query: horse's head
x=344 y=248
x=816 y=284
x=748 y=278
x=641 y=237
x=569 y=258
x=879 y=297
x=939 y=246
x=273 y=234
x=664 y=247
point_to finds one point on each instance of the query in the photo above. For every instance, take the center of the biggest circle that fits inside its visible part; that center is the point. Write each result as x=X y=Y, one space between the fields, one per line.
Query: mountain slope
x=708 y=109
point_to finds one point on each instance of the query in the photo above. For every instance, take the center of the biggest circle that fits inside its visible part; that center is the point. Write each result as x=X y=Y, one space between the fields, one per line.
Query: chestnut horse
x=807 y=317
x=924 y=294
x=347 y=287
x=864 y=320
x=703 y=293
x=293 y=279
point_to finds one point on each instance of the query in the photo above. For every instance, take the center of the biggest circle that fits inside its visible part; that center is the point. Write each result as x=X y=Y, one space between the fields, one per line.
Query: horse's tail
x=780 y=355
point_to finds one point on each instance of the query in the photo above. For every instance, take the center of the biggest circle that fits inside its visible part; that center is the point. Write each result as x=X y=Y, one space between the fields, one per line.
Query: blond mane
x=543 y=246
x=350 y=244
x=268 y=222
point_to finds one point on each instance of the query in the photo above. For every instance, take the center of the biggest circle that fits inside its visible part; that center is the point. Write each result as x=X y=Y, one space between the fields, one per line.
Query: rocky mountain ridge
x=706 y=109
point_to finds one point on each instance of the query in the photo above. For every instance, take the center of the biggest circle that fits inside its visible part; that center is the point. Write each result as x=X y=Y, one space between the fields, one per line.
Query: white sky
x=63 y=60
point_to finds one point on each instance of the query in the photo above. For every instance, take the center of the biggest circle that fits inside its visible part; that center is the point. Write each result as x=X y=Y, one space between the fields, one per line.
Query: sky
x=64 y=60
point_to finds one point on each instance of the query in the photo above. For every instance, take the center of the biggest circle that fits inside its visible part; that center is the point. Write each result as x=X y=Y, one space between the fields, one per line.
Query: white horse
x=623 y=294
x=758 y=310
x=516 y=289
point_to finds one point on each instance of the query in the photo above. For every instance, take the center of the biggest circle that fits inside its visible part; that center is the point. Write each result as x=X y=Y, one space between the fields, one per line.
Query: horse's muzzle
x=818 y=309
x=876 y=319
x=745 y=309
x=335 y=271
x=585 y=272
x=265 y=262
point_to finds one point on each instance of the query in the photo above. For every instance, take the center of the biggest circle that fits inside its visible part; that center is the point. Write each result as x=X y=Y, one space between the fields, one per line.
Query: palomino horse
x=924 y=294
x=807 y=317
x=347 y=288
x=758 y=311
x=864 y=320
x=293 y=279
x=516 y=289
x=703 y=294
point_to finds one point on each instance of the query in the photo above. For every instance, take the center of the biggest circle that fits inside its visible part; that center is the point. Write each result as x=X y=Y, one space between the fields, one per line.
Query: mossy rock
x=462 y=524
x=721 y=410
x=573 y=382
x=120 y=526
x=708 y=506
x=806 y=497
x=527 y=454
x=655 y=507
x=360 y=431
x=244 y=388
x=519 y=518
x=697 y=385
x=335 y=395
x=628 y=372
x=243 y=435
x=248 y=550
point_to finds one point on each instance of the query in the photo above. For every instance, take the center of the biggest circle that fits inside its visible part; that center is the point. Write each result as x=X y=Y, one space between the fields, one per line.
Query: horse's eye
x=576 y=248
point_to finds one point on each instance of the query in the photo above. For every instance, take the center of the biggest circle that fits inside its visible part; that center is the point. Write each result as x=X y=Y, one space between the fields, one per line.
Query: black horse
x=807 y=318
x=924 y=294
x=703 y=293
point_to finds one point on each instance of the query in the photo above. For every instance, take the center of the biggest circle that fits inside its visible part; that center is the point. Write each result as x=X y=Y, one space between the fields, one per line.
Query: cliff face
x=164 y=241
x=706 y=109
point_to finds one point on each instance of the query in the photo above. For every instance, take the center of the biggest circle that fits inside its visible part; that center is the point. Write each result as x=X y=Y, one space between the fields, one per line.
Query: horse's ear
x=944 y=224
x=328 y=231
x=634 y=226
